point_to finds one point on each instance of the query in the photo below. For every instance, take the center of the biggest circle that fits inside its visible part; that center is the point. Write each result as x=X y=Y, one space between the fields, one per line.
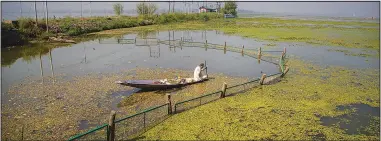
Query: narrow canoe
x=156 y=84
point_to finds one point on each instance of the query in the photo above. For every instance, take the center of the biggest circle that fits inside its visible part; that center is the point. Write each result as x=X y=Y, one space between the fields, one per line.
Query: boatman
x=197 y=76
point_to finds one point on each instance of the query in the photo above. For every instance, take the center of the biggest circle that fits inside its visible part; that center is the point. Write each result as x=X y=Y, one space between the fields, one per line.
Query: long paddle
x=206 y=70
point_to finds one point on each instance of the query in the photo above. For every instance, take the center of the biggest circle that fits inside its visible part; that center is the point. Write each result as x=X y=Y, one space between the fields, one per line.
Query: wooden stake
x=111 y=126
x=259 y=51
x=262 y=79
x=223 y=90
x=284 y=73
x=169 y=104
x=225 y=48
x=259 y=59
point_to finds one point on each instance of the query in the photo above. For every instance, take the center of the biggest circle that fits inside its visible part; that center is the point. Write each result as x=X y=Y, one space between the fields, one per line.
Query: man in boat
x=197 y=75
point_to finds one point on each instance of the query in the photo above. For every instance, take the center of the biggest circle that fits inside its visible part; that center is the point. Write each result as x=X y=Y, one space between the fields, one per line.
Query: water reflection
x=51 y=64
x=145 y=49
x=42 y=71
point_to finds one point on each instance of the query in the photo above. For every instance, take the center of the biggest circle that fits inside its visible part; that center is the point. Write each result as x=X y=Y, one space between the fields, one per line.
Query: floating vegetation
x=289 y=110
x=347 y=52
x=270 y=44
x=357 y=37
x=57 y=111
x=362 y=119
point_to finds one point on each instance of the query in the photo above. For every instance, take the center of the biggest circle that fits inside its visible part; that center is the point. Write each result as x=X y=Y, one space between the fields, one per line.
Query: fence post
x=135 y=40
x=242 y=49
x=169 y=104
x=262 y=79
x=206 y=46
x=225 y=48
x=259 y=51
x=259 y=59
x=111 y=127
x=281 y=63
x=181 y=43
x=284 y=73
x=223 y=90
x=206 y=43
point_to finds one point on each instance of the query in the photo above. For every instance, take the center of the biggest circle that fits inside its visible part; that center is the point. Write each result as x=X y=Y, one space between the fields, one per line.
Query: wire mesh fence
x=98 y=133
x=131 y=126
x=194 y=102
x=116 y=41
x=127 y=127
x=146 y=41
x=232 y=90
x=266 y=55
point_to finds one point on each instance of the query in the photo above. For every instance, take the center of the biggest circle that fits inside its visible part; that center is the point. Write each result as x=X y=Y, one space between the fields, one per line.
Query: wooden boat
x=160 y=84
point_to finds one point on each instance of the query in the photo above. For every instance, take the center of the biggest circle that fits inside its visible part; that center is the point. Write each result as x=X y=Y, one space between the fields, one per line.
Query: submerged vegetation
x=291 y=109
x=32 y=109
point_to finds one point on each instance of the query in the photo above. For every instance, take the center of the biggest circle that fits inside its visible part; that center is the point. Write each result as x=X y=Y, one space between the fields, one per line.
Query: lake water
x=159 y=50
x=99 y=57
x=106 y=55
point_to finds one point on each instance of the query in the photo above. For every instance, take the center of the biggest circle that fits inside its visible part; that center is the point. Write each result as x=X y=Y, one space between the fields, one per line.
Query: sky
x=335 y=9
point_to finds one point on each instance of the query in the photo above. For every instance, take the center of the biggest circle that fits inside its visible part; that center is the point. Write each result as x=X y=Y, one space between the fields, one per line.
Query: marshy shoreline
x=285 y=110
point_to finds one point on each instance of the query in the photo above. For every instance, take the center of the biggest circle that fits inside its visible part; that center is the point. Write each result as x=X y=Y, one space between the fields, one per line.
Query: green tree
x=146 y=8
x=230 y=8
x=118 y=9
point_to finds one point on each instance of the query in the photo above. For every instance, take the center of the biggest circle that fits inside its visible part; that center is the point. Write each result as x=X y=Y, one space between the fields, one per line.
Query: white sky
x=363 y=9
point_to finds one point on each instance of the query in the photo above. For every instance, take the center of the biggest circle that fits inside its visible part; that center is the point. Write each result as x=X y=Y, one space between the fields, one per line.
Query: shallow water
x=91 y=56
x=97 y=56
x=354 y=122
x=325 y=55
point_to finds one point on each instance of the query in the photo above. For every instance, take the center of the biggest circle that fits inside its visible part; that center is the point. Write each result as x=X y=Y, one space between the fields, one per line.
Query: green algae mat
x=300 y=107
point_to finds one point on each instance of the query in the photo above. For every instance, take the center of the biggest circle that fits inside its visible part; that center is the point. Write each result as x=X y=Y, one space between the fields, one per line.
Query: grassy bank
x=69 y=26
x=288 y=110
